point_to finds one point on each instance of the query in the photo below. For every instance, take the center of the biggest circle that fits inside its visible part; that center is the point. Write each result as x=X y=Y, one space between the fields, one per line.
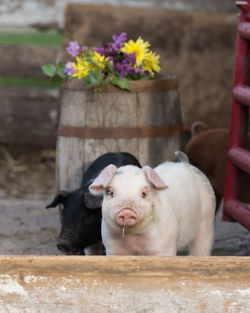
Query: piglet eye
x=144 y=194
x=109 y=192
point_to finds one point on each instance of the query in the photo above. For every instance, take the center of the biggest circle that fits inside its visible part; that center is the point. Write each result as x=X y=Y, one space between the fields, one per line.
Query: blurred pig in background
x=207 y=150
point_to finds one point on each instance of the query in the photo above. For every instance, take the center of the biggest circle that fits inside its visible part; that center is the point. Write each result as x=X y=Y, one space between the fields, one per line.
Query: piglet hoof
x=126 y=218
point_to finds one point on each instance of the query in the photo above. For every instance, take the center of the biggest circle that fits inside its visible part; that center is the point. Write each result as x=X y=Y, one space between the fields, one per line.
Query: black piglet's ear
x=59 y=197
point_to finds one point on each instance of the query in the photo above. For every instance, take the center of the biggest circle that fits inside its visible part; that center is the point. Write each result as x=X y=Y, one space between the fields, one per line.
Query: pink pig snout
x=126 y=217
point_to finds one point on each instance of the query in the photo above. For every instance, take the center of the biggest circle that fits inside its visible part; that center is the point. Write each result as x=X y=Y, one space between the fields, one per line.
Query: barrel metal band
x=119 y=132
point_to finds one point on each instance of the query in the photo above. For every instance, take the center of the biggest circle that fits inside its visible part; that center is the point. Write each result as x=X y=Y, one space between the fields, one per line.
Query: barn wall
x=32 y=12
x=198 y=39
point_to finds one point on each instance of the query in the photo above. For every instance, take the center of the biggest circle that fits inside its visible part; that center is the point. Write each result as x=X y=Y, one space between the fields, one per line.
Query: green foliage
x=55 y=72
x=114 y=63
x=94 y=79
x=60 y=69
x=122 y=83
x=49 y=69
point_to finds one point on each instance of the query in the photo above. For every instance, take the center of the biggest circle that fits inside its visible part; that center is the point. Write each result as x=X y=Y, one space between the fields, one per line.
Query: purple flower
x=118 y=41
x=126 y=66
x=131 y=58
x=105 y=50
x=123 y=68
x=69 y=69
x=123 y=64
x=74 y=48
x=139 y=72
x=100 y=50
x=112 y=50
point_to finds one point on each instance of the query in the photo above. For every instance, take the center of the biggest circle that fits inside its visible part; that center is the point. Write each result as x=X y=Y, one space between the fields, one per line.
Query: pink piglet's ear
x=154 y=178
x=103 y=179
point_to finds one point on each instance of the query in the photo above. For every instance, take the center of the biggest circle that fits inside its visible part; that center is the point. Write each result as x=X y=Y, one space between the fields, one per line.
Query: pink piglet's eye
x=109 y=192
x=144 y=193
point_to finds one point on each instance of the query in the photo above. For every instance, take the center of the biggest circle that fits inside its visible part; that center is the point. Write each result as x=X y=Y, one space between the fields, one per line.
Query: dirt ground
x=27 y=184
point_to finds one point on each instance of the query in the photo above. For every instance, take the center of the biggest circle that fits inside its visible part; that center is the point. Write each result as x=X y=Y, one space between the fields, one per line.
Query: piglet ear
x=59 y=198
x=154 y=178
x=103 y=179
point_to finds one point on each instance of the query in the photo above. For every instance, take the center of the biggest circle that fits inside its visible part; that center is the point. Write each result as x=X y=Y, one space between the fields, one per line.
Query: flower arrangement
x=114 y=63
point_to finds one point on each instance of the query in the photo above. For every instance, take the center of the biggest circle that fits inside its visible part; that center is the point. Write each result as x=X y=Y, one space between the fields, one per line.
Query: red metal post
x=238 y=157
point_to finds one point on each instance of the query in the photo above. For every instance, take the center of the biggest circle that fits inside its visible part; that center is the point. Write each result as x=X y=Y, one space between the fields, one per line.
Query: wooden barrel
x=145 y=122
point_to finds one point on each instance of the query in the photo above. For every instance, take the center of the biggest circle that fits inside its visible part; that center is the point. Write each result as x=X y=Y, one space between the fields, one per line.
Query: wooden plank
x=124 y=284
x=28 y=116
x=7 y=81
x=25 y=61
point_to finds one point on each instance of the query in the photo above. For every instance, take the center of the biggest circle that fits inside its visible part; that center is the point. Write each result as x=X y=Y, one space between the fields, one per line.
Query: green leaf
x=49 y=69
x=88 y=55
x=99 y=78
x=57 y=80
x=132 y=77
x=60 y=69
x=94 y=79
x=110 y=65
x=90 y=80
x=122 y=83
x=144 y=78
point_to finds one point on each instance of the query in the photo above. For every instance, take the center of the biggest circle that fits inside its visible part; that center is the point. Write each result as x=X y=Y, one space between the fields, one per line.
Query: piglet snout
x=64 y=245
x=126 y=217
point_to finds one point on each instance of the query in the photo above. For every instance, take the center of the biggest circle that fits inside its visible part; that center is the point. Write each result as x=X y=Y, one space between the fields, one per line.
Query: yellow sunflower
x=82 y=68
x=99 y=59
x=139 y=47
x=151 y=63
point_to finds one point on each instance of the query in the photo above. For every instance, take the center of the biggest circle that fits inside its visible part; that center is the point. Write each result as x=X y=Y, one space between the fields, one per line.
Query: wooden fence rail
x=124 y=284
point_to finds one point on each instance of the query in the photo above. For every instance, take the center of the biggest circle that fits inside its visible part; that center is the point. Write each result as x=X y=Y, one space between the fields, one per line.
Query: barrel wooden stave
x=71 y=166
x=145 y=122
x=84 y=108
x=157 y=108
